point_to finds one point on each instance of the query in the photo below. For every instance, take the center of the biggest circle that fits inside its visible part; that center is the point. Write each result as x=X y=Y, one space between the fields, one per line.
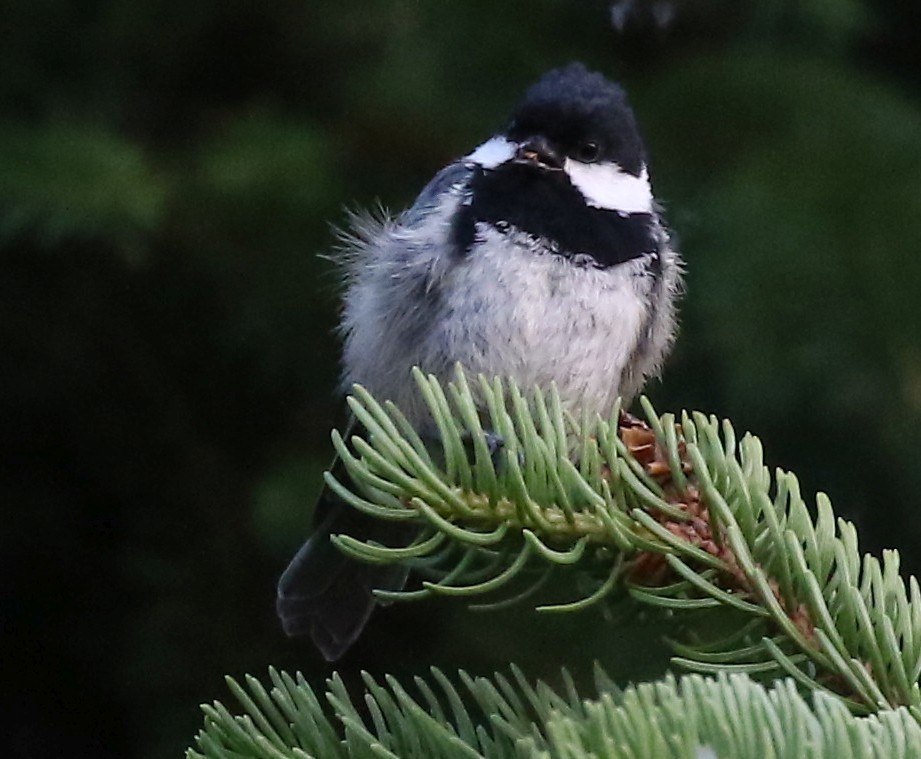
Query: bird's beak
x=539 y=152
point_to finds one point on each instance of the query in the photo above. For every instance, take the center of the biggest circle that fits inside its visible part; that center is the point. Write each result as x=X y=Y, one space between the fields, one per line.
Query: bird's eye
x=587 y=152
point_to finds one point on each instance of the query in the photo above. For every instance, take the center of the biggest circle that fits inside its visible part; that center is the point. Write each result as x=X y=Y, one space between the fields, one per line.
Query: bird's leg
x=495 y=444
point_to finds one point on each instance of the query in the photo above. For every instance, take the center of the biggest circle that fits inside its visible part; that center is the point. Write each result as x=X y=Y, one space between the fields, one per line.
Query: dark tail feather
x=325 y=594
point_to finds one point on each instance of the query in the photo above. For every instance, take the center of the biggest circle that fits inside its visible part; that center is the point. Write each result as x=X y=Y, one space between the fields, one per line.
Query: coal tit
x=541 y=256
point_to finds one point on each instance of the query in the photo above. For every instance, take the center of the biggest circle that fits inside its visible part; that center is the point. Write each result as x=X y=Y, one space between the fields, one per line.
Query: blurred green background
x=168 y=175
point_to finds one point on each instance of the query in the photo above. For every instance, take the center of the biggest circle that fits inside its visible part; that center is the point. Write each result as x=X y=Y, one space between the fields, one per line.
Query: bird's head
x=570 y=160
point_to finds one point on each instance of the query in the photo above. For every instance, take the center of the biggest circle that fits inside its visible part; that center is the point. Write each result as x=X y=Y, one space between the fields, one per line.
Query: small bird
x=541 y=256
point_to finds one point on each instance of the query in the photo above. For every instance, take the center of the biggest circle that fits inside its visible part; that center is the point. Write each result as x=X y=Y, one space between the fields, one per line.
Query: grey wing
x=452 y=178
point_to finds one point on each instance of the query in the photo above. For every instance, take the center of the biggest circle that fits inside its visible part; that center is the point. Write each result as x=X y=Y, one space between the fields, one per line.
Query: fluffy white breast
x=518 y=310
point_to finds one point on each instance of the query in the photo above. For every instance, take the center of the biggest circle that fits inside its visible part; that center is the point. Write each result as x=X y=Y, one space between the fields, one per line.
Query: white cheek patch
x=607 y=186
x=493 y=152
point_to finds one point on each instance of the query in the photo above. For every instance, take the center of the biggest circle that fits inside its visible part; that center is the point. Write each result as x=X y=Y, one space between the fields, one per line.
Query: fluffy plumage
x=540 y=256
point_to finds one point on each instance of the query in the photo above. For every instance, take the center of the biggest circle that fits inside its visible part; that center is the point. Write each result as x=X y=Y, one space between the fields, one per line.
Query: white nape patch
x=493 y=152
x=607 y=186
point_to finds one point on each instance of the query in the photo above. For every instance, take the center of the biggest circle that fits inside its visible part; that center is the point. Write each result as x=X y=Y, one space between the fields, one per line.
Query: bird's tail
x=327 y=595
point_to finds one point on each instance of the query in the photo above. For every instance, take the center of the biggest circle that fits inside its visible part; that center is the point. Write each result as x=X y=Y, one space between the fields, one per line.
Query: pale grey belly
x=540 y=328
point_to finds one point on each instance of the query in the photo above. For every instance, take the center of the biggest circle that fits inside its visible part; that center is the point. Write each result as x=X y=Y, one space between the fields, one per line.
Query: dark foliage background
x=168 y=174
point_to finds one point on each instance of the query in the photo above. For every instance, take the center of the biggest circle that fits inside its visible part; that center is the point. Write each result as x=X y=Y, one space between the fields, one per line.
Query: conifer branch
x=509 y=718
x=680 y=514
